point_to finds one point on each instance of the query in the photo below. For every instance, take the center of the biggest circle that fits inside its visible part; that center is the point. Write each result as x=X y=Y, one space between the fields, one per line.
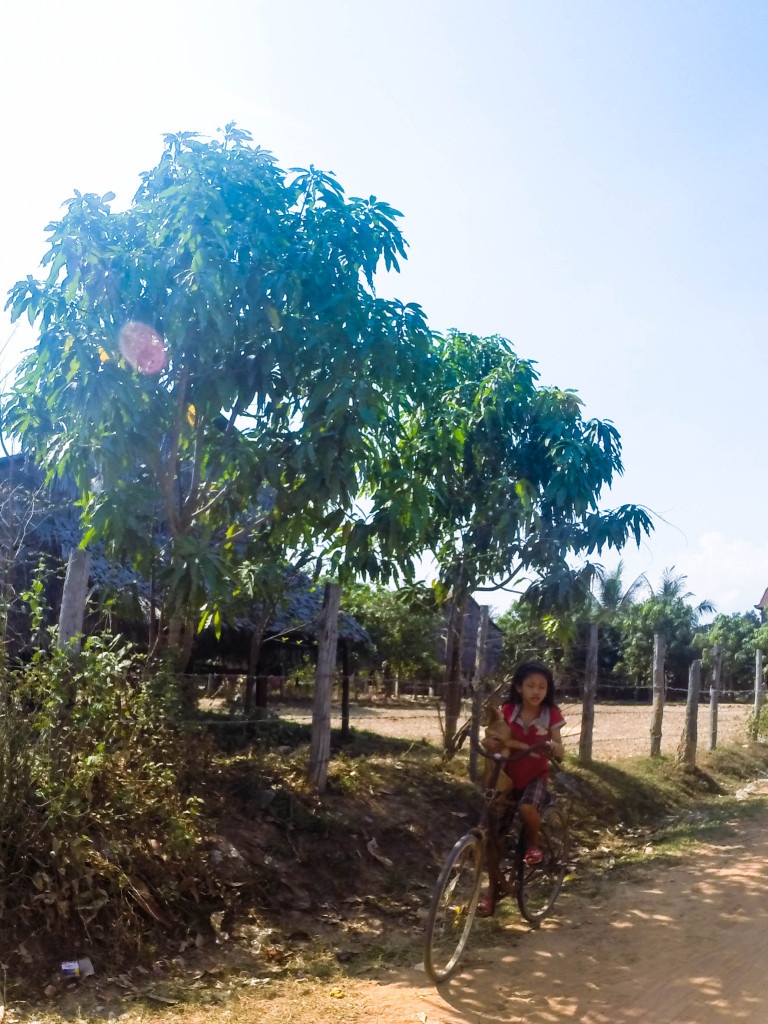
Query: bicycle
x=457 y=891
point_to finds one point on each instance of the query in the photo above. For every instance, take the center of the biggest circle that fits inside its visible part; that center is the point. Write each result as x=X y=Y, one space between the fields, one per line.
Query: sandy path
x=683 y=944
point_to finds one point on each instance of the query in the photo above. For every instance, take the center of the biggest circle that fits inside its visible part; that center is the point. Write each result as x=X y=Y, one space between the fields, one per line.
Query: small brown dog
x=496 y=740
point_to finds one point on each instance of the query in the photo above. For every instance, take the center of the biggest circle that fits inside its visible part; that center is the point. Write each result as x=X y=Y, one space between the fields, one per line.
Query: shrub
x=97 y=823
x=757 y=727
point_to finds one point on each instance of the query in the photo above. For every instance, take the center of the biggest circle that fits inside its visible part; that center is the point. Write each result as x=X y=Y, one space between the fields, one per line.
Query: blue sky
x=585 y=178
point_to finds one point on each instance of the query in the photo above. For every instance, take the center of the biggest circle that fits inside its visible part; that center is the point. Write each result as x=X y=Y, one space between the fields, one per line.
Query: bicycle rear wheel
x=538 y=886
x=452 y=911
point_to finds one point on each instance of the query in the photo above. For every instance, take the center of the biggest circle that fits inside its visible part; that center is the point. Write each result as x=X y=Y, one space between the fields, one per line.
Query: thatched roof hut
x=38 y=521
x=289 y=625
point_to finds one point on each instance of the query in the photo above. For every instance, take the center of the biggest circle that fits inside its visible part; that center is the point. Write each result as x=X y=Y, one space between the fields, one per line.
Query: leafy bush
x=95 y=810
x=757 y=726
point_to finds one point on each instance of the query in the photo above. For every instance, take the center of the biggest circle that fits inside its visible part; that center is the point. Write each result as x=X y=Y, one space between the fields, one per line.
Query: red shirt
x=540 y=729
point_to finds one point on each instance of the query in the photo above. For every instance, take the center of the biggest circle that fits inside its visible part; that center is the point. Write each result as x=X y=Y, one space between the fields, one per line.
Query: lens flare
x=142 y=347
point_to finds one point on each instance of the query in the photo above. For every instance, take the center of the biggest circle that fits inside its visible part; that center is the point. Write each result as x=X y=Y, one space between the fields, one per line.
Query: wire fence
x=619 y=692
x=620 y=730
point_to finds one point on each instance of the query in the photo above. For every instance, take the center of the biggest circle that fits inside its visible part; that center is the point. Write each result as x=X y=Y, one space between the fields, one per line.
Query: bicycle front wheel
x=538 y=886
x=452 y=912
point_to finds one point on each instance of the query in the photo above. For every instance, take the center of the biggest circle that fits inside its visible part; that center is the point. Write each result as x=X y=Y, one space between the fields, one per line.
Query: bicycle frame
x=455 y=897
x=499 y=811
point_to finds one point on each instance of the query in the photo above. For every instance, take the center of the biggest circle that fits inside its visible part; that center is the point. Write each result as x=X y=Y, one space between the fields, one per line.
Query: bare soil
x=620 y=730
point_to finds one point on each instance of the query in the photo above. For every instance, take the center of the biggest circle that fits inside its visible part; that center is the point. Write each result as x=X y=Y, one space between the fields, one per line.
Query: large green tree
x=530 y=635
x=739 y=638
x=403 y=627
x=217 y=373
x=514 y=475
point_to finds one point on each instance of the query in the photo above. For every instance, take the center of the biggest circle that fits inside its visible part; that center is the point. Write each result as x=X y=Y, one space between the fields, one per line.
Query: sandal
x=486 y=907
x=533 y=856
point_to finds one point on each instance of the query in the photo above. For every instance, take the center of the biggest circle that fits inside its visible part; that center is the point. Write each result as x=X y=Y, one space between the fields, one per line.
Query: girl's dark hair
x=532 y=668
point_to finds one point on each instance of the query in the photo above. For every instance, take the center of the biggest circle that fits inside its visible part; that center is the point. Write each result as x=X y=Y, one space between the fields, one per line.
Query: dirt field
x=620 y=730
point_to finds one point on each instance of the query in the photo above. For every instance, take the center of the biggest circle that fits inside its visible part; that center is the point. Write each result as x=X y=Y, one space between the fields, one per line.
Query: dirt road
x=683 y=943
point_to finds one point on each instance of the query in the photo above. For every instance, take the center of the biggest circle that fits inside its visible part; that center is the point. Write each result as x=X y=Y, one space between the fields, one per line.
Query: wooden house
x=469 y=635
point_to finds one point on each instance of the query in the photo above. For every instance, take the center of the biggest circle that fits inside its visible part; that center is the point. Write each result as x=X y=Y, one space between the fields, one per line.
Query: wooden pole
x=590 y=691
x=714 y=694
x=73 y=600
x=345 y=691
x=758 y=691
x=689 y=739
x=320 y=744
x=657 y=712
x=477 y=692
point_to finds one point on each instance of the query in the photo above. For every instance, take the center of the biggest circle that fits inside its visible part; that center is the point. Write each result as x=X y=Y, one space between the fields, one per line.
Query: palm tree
x=671 y=589
x=611 y=596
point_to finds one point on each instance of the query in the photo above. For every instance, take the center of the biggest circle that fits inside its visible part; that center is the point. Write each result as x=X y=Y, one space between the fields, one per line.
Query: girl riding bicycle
x=534 y=719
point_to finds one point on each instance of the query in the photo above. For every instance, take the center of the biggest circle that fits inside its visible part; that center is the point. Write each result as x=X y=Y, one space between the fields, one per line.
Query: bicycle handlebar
x=517 y=755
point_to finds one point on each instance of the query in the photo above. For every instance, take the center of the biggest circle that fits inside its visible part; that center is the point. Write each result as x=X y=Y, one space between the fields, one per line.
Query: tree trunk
x=255 y=692
x=657 y=712
x=11 y=537
x=387 y=679
x=72 y=612
x=153 y=626
x=590 y=691
x=320 y=745
x=452 y=684
x=714 y=694
x=181 y=636
x=262 y=694
x=477 y=692
x=688 y=741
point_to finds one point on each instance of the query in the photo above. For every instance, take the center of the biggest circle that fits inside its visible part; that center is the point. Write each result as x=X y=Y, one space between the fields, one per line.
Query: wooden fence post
x=714 y=694
x=477 y=693
x=588 y=703
x=758 y=692
x=688 y=741
x=345 y=680
x=657 y=713
x=73 y=600
x=320 y=743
